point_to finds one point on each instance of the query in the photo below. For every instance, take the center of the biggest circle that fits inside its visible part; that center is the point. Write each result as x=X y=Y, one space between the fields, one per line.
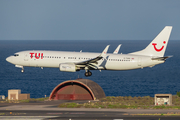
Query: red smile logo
x=158 y=50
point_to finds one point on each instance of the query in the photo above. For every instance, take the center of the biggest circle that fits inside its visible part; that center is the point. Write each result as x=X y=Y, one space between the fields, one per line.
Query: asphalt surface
x=78 y=115
x=48 y=110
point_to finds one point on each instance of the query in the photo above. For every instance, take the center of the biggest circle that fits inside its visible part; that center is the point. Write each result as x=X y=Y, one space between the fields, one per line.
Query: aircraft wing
x=94 y=60
x=117 y=49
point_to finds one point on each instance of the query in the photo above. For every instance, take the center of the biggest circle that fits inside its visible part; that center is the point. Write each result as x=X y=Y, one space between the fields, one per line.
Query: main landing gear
x=88 y=73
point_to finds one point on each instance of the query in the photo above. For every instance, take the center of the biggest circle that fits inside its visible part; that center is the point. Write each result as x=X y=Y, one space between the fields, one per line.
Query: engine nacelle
x=67 y=67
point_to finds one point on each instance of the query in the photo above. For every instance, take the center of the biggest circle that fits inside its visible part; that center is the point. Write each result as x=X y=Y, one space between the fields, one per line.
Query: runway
x=50 y=111
x=77 y=115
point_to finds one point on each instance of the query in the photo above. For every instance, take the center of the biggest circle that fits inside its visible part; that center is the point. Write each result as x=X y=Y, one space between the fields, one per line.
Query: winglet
x=117 y=49
x=105 y=51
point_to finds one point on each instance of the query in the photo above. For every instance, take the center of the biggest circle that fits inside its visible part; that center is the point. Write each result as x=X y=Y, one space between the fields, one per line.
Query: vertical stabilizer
x=158 y=46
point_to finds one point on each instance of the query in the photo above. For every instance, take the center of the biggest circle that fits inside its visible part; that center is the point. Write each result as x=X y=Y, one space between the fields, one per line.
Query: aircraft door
x=25 y=57
x=139 y=61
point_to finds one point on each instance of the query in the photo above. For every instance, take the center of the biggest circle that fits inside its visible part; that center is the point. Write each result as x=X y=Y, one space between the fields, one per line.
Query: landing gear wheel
x=88 y=73
x=22 y=70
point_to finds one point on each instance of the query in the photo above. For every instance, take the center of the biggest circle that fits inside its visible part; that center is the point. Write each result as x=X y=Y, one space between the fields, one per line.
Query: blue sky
x=87 y=19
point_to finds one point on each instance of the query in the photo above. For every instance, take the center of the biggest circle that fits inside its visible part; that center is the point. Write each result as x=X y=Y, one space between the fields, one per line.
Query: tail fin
x=158 y=46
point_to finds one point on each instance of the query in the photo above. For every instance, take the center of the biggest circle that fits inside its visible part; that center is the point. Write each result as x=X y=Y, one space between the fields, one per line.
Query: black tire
x=89 y=73
x=86 y=74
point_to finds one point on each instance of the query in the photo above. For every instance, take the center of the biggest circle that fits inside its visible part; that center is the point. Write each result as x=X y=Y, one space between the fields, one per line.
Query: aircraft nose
x=9 y=59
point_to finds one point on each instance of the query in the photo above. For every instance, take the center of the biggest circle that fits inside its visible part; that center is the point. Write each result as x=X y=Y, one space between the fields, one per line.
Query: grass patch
x=70 y=105
x=126 y=102
x=2 y=113
x=25 y=101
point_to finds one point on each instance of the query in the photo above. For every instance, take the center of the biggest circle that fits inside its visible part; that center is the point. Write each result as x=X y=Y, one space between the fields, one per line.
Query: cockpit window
x=16 y=55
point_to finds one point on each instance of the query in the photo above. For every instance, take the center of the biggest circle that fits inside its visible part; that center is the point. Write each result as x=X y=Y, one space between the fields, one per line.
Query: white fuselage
x=152 y=55
x=53 y=59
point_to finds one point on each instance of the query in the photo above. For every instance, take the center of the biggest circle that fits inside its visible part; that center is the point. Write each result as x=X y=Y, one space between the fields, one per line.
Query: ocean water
x=163 y=78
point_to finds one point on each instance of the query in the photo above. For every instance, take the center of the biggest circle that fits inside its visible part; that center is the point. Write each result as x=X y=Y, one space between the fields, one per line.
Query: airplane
x=67 y=61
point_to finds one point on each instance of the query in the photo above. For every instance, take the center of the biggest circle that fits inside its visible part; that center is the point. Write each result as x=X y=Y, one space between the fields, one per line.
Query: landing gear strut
x=22 y=69
x=88 y=73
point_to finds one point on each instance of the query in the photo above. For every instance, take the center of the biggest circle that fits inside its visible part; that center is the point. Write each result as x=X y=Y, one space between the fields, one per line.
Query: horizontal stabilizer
x=161 y=58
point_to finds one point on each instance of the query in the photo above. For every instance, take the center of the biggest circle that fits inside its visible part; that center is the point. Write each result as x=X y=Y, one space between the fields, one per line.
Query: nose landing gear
x=22 y=69
x=19 y=66
x=88 y=73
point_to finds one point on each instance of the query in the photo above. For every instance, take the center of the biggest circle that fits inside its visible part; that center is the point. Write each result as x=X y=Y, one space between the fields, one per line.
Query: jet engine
x=67 y=67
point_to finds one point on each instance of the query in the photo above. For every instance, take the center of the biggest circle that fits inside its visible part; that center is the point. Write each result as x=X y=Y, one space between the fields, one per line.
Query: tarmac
x=49 y=110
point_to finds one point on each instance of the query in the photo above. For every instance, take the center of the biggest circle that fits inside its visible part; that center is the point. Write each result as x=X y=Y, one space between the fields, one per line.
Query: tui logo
x=37 y=55
x=158 y=50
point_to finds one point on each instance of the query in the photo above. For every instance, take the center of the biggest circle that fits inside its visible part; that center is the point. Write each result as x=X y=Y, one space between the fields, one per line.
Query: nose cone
x=9 y=59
